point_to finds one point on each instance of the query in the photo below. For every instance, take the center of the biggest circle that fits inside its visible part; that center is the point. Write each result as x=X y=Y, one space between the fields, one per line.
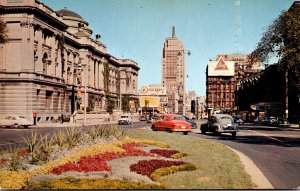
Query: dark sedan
x=220 y=123
x=190 y=121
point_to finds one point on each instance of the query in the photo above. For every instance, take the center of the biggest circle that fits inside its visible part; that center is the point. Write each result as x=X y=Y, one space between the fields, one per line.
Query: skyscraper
x=173 y=73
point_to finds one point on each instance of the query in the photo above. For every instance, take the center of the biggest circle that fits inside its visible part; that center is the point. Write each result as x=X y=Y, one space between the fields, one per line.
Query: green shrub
x=59 y=138
x=32 y=143
x=73 y=136
x=45 y=148
x=14 y=161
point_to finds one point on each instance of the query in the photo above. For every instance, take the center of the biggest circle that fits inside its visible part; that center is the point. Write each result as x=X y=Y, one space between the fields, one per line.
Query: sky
x=137 y=29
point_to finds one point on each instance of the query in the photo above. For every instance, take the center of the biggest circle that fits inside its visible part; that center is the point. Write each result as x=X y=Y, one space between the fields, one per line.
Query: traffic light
x=193 y=106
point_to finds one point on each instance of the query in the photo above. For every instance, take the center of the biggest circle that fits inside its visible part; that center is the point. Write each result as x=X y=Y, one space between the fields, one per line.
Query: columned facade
x=51 y=59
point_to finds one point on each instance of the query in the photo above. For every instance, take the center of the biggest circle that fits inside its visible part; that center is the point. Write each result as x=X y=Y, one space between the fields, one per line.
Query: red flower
x=164 y=152
x=2 y=161
x=99 y=162
x=147 y=167
x=23 y=152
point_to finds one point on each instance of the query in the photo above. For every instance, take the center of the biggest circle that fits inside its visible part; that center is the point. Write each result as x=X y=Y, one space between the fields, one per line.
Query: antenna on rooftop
x=173 y=32
x=238 y=31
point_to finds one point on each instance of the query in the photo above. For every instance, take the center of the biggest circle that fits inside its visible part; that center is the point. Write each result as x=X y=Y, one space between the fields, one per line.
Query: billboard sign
x=149 y=101
x=221 y=68
x=159 y=90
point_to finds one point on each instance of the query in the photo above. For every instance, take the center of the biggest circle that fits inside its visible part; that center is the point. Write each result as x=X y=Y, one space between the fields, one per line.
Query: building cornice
x=38 y=13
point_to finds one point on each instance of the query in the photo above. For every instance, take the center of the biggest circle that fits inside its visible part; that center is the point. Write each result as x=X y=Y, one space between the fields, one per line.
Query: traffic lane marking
x=269 y=137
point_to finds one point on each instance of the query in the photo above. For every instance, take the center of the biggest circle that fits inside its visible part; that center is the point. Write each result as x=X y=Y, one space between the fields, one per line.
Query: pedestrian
x=62 y=118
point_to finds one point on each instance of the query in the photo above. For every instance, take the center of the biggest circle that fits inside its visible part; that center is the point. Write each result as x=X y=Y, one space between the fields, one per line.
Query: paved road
x=11 y=136
x=275 y=151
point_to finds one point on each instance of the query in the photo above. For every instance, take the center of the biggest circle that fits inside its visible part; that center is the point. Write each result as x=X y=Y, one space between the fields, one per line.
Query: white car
x=15 y=121
x=125 y=119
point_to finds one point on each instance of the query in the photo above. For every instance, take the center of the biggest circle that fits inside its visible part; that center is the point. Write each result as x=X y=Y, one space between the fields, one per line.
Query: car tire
x=25 y=126
x=203 y=129
x=168 y=130
x=233 y=134
x=185 y=133
x=153 y=128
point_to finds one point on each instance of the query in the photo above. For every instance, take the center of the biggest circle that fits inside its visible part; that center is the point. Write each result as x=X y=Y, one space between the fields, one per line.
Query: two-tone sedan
x=171 y=123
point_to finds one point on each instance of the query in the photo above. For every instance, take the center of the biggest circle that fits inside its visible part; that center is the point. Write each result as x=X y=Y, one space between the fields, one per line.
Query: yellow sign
x=149 y=101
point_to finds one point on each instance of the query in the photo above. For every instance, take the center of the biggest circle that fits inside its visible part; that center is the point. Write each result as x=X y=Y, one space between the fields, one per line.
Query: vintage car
x=125 y=120
x=190 y=121
x=143 y=118
x=15 y=121
x=282 y=122
x=238 y=119
x=219 y=123
x=171 y=123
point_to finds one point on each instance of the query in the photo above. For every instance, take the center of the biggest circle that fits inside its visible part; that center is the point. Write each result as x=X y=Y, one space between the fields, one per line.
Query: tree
x=282 y=39
x=3 y=31
x=125 y=103
x=110 y=106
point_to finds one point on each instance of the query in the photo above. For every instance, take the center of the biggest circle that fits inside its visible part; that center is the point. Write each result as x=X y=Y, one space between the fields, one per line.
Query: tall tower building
x=173 y=73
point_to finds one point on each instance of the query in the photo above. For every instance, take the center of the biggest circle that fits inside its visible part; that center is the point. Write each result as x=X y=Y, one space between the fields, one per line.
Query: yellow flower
x=13 y=179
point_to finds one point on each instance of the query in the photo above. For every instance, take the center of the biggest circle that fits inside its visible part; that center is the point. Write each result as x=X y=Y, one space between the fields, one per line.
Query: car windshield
x=225 y=120
x=124 y=116
x=238 y=117
x=178 y=118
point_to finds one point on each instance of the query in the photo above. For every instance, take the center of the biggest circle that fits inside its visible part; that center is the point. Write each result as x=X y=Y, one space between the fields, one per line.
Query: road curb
x=257 y=177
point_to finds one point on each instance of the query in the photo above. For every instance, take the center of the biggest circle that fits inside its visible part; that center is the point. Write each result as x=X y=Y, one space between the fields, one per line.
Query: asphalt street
x=275 y=151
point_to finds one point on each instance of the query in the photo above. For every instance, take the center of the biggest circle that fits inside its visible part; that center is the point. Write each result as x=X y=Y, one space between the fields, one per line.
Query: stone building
x=52 y=65
x=173 y=73
x=222 y=76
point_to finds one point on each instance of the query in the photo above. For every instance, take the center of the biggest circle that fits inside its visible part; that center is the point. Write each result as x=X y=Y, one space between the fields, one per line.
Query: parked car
x=15 y=121
x=282 y=122
x=190 y=121
x=238 y=119
x=143 y=118
x=220 y=123
x=258 y=120
x=125 y=119
x=171 y=123
x=272 y=121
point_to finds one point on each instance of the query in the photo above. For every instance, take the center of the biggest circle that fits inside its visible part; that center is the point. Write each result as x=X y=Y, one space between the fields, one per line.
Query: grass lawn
x=218 y=166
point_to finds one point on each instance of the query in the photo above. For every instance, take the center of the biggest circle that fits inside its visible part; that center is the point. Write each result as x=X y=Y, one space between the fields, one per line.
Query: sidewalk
x=68 y=124
x=297 y=126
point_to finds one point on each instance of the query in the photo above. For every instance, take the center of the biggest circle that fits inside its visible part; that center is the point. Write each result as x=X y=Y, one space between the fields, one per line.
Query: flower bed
x=99 y=162
x=90 y=159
